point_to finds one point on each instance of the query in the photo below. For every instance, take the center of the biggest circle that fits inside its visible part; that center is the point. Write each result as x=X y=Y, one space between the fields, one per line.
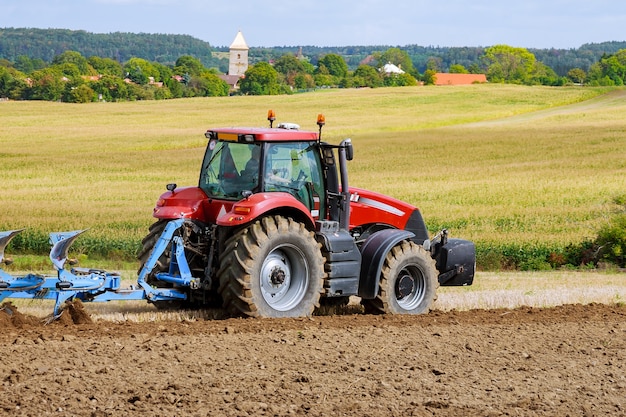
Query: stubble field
x=495 y=164
x=508 y=346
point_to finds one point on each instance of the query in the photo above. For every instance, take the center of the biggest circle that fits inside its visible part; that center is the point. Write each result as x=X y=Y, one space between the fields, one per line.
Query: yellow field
x=494 y=163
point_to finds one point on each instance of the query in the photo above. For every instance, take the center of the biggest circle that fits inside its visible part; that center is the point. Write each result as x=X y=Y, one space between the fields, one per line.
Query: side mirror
x=347 y=145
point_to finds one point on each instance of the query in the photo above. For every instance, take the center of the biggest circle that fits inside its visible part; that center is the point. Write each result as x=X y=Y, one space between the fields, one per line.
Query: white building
x=238 y=59
x=389 y=68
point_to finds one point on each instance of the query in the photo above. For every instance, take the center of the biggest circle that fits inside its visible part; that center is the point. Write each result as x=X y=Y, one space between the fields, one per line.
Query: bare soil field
x=528 y=361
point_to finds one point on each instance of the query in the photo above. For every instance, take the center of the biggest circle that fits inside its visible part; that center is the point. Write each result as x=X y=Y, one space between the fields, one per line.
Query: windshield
x=230 y=168
x=294 y=167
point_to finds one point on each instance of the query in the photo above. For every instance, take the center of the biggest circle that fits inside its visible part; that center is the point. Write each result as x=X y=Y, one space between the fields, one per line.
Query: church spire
x=239 y=43
x=238 y=59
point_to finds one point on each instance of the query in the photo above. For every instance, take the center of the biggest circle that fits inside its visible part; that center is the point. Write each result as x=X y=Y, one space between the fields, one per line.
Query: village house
x=444 y=78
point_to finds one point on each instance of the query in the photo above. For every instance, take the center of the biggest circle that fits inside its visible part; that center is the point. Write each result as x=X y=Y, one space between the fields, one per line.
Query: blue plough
x=93 y=284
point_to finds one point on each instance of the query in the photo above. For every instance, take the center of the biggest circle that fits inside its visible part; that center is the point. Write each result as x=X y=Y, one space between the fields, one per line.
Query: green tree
x=545 y=75
x=24 y=64
x=429 y=77
x=187 y=64
x=399 y=80
x=75 y=58
x=213 y=86
x=474 y=68
x=335 y=64
x=106 y=66
x=609 y=70
x=509 y=64
x=577 y=75
x=6 y=82
x=458 y=69
x=434 y=64
x=288 y=64
x=260 y=79
x=67 y=70
x=367 y=76
x=290 y=67
x=304 y=81
x=141 y=71
x=47 y=84
x=140 y=92
x=81 y=94
x=325 y=80
x=175 y=87
x=12 y=83
x=614 y=67
x=165 y=72
x=137 y=76
x=110 y=88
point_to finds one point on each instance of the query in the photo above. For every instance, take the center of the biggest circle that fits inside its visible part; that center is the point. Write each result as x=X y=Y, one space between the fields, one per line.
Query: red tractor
x=273 y=230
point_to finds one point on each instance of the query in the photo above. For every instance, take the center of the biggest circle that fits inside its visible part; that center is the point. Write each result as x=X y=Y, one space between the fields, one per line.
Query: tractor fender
x=373 y=253
x=260 y=204
x=184 y=202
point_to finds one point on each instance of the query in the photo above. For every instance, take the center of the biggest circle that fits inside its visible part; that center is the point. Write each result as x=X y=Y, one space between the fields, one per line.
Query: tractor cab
x=242 y=162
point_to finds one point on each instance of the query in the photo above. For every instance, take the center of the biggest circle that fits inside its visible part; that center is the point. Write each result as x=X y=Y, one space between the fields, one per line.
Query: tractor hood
x=366 y=205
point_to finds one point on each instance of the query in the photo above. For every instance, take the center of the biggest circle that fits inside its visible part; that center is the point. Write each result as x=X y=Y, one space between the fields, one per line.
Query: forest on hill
x=77 y=66
x=45 y=44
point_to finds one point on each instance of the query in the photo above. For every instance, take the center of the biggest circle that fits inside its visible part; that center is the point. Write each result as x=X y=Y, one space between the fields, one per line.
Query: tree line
x=45 y=44
x=72 y=77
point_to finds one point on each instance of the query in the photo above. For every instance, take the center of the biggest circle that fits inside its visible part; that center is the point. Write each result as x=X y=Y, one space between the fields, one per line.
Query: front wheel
x=273 y=268
x=408 y=282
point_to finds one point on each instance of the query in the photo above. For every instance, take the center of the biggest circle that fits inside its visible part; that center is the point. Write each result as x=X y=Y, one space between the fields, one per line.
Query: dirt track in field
x=568 y=360
x=610 y=99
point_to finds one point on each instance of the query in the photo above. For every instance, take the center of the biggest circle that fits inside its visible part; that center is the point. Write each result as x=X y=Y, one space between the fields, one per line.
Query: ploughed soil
x=567 y=360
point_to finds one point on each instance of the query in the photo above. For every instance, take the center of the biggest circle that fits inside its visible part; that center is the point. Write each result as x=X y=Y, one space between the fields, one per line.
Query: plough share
x=95 y=285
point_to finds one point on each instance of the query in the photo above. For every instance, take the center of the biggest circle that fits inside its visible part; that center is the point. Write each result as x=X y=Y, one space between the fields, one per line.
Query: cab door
x=295 y=168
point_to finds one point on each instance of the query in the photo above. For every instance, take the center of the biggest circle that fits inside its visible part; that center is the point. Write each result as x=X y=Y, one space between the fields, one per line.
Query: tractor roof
x=260 y=134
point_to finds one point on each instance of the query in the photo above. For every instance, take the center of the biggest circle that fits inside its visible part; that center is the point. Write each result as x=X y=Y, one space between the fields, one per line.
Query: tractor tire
x=272 y=268
x=408 y=282
x=148 y=242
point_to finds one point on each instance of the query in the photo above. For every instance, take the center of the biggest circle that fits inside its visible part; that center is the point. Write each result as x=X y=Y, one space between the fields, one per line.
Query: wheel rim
x=284 y=277
x=410 y=287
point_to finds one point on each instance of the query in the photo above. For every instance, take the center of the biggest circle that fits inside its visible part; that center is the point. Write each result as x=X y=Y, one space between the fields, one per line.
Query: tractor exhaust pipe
x=346 y=154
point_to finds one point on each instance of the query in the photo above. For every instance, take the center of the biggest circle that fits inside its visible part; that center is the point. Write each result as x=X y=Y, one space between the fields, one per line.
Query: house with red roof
x=444 y=78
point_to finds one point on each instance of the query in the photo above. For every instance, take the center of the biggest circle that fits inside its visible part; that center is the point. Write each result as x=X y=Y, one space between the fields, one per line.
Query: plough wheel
x=273 y=268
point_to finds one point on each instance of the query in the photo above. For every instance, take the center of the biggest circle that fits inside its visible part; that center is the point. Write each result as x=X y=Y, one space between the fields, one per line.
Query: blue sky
x=524 y=23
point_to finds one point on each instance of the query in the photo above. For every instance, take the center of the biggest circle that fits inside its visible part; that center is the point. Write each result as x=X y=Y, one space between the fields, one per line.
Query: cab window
x=294 y=168
x=230 y=168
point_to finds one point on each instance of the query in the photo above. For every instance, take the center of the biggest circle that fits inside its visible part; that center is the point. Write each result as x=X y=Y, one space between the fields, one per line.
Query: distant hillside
x=166 y=49
x=47 y=43
x=560 y=60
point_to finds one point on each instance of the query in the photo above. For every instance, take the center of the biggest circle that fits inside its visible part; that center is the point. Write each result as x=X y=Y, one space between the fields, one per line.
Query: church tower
x=238 y=60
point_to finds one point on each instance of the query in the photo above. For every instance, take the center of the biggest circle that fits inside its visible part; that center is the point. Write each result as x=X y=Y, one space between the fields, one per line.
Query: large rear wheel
x=408 y=282
x=272 y=268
